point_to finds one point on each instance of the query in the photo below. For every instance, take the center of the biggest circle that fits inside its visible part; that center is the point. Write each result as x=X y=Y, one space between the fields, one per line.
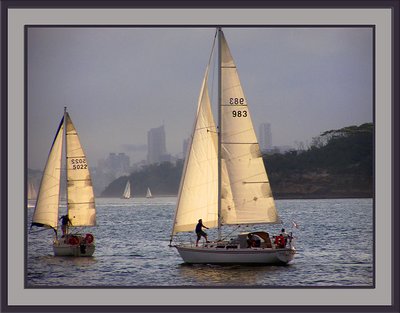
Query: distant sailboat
x=32 y=194
x=224 y=181
x=81 y=210
x=148 y=193
x=127 y=191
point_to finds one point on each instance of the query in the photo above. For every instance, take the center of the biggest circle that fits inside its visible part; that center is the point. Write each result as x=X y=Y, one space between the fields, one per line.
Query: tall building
x=185 y=147
x=265 y=136
x=156 y=147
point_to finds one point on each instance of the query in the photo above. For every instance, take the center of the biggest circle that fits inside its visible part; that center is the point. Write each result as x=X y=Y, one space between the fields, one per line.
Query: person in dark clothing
x=253 y=241
x=200 y=232
x=65 y=222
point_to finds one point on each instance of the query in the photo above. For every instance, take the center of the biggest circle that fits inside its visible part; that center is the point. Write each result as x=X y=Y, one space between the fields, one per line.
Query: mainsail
x=46 y=209
x=80 y=196
x=252 y=200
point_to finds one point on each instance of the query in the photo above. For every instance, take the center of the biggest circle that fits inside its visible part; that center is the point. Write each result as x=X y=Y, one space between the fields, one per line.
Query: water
x=334 y=243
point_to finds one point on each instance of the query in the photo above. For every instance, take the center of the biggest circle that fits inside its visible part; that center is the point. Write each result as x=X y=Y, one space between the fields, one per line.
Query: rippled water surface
x=334 y=242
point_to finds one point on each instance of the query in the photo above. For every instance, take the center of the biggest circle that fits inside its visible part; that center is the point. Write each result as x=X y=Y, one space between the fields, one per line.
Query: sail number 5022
x=79 y=164
x=239 y=113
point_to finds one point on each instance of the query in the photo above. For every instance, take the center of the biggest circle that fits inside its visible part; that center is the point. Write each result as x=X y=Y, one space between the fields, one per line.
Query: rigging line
x=213 y=68
x=212 y=47
x=231 y=232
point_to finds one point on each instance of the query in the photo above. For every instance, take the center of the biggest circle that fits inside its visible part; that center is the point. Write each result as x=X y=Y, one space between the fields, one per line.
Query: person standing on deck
x=65 y=222
x=200 y=232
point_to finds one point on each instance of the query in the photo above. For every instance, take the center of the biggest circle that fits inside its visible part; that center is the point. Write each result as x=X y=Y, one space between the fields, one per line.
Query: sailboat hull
x=62 y=248
x=215 y=255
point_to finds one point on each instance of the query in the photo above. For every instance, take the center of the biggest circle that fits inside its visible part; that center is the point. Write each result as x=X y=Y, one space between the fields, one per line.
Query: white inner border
x=17 y=295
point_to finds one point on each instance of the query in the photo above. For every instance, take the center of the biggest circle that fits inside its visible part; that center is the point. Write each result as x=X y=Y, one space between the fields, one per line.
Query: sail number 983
x=239 y=113
x=79 y=164
x=236 y=101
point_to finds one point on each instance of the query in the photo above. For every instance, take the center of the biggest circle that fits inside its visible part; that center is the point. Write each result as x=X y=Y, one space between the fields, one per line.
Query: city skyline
x=119 y=83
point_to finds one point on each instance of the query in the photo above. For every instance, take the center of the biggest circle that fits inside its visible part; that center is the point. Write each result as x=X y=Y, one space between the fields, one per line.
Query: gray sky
x=119 y=82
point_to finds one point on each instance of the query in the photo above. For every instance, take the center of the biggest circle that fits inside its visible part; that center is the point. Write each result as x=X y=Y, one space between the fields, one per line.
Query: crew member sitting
x=253 y=241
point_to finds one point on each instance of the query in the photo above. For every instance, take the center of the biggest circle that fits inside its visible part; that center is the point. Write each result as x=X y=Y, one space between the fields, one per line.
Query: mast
x=219 y=132
x=66 y=159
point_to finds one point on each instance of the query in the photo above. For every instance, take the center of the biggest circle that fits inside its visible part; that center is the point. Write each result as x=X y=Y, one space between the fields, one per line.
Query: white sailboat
x=127 y=191
x=148 y=193
x=81 y=209
x=224 y=180
x=32 y=194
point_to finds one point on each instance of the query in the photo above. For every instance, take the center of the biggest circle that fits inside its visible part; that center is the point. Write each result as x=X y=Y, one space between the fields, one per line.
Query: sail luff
x=48 y=198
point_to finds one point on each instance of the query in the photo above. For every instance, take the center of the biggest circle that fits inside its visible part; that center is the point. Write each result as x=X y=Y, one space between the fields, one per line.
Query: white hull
x=214 y=255
x=62 y=248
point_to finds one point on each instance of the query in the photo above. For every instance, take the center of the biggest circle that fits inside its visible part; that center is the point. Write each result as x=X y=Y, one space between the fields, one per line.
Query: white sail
x=252 y=200
x=46 y=209
x=127 y=191
x=148 y=193
x=80 y=196
x=31 y=190
x=198 y=190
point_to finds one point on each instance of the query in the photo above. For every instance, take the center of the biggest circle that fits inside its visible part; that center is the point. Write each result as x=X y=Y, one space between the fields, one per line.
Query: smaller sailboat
x=148 y=193
x=32 y=194
x=81 y=210
x=127 y=191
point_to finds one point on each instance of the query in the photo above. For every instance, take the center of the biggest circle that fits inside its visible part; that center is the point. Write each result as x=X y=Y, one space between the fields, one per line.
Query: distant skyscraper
x=185 y=147
x=156 y=147
x=265 y=136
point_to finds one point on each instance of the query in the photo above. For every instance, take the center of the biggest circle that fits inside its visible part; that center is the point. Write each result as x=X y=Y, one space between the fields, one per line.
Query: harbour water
x=334 y=241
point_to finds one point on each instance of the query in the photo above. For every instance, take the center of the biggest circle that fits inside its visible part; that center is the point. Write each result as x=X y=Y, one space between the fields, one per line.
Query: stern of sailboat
x=74 y=245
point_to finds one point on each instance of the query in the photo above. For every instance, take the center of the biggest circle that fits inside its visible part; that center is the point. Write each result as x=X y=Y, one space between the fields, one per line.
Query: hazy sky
x=119 y=82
